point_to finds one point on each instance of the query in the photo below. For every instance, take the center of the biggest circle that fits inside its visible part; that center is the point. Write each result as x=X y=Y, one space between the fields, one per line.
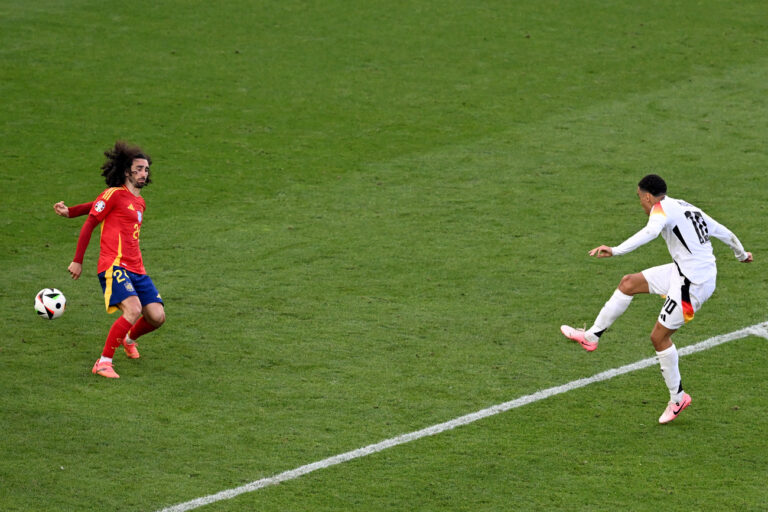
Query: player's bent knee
x=626 y=284
x=661 y=340
x=155 y=316
x=632 y=284
x=159 y=320
x=661 y=344
x=131 y=312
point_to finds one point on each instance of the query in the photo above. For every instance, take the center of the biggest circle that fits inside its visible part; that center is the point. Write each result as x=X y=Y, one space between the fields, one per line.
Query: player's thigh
x=632 y=284
x=131 y=308
x=660 y=278
x=665 y=280
x=146 y=289
x=117 y=287
x=700 y=293
x=148 y=295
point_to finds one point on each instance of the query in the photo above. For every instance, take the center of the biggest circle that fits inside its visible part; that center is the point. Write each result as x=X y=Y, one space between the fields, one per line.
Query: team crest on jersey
x=100 y=206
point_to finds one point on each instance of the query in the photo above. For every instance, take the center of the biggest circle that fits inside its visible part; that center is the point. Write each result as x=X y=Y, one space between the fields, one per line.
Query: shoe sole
x=102 y=374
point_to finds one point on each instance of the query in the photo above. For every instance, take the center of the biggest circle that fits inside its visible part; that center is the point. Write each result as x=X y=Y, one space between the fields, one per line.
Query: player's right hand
x=748 y=259
x=61 y=209
x=75 y=269
x=601 y=252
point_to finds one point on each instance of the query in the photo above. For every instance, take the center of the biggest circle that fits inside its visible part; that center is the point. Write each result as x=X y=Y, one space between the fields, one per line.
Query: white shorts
x=683 y=298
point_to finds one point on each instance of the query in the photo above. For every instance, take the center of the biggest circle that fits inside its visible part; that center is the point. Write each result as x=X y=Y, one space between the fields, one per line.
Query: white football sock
x=613 y=309
x=671 y=372
x=105 y=359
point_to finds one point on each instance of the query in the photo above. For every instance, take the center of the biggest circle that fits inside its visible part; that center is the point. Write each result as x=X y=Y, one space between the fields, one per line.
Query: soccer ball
x=50 y=303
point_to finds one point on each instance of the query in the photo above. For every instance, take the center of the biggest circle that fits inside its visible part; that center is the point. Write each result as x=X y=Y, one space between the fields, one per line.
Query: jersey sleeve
x=103 y=204
x=726 y=236
x=80 y=209
x=85 y=237
x=656 y=221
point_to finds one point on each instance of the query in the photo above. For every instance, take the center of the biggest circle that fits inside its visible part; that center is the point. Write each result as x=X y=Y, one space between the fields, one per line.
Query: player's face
x=646 y=200
x=139 y=172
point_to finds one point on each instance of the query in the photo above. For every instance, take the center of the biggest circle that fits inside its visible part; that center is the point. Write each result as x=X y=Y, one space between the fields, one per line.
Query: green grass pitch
x=368 y=218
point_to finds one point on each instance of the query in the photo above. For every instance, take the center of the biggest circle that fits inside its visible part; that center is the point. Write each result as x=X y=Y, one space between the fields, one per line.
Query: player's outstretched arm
x=72 y=211
x=726 y=236
x=601 y=252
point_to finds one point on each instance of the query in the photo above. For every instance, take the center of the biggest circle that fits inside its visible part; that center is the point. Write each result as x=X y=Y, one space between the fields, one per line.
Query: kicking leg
x=630 y=285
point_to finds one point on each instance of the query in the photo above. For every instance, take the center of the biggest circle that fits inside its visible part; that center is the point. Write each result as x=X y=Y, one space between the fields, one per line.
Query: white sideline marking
x=760 y=330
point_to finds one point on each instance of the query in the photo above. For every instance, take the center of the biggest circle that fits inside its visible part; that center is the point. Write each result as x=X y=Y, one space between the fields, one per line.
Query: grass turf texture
x=367 y=221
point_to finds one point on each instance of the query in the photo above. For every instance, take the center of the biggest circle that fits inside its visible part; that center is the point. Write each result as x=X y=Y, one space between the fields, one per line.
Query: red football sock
x=140 y=328
x=116 y=334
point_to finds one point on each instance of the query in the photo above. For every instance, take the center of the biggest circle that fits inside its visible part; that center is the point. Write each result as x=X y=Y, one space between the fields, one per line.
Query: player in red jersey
x=127 y=287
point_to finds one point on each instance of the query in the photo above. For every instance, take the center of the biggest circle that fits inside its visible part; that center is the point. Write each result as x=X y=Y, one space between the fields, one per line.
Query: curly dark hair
x=654 y=184
x=120 y=159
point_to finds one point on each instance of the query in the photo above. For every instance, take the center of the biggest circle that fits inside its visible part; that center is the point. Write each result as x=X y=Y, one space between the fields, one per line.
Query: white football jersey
x=687 y=231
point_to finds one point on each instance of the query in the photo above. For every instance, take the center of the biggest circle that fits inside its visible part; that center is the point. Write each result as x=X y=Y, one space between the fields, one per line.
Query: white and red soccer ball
x=50 y=303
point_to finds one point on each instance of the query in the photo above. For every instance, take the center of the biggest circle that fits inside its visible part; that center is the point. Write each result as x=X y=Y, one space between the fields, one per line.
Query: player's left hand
x=601 y=252
x=749 y=258
x=61 y=209
x=75 y=269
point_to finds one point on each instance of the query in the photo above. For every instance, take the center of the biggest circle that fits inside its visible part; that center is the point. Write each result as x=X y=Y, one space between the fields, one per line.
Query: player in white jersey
x=686 y=283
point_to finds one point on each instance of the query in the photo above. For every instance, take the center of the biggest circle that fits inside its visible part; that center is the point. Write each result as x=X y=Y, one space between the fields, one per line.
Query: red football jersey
x=121 y=214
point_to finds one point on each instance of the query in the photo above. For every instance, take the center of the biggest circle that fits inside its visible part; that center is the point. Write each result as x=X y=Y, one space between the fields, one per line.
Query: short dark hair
x=120 y=159
x=653 y=184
